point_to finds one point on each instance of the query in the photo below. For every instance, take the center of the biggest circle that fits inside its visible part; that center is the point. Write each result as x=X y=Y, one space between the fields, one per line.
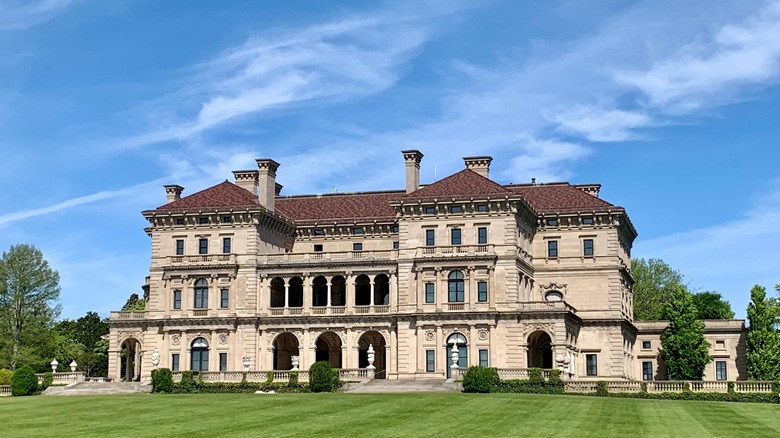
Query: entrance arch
x=362 y=290
x=285 y=347
x=375 y=339
x=463 y=352
x=540 y=350
x=328 y=349
x=199 y=357
x=130 y=360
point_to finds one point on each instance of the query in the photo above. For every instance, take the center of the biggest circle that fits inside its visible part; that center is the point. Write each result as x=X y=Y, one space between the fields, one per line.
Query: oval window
x=553 y=295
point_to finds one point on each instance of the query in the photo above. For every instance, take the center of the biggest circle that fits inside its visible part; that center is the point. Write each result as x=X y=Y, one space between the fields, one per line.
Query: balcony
x=200 y=260
x=327 y=257
x=127 y=315
x=334 y=310
x=455 y=251
x=547 y=306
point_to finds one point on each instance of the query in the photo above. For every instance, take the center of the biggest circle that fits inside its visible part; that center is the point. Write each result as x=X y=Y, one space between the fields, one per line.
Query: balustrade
x=134 y=314
x=337 y=256
x=454 y=250
x=203 y=259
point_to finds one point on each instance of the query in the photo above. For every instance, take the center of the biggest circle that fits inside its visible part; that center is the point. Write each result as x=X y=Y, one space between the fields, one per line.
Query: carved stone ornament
x=223 y=338
x=430 y=335
x=482 y=335
x=175 y=339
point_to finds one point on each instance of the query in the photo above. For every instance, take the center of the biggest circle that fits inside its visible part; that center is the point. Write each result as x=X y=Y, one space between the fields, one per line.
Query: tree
x=683 y=346
x=712 y=306
x=29 y=290
x=653 y=283
x=134 y=303
x=763 y=339
x=82 y=340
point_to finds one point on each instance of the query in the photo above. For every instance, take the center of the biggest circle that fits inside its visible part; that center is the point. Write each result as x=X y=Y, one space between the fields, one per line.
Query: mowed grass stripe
x=385 y=415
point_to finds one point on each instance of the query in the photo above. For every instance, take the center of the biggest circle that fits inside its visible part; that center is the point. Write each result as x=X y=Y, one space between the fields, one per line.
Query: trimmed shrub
x=776 y=387
x=555 y=378
x=269 y=377
x=643 y=388
x=686 y=387
x=162 y=380
x=478 y=379
x=5 y=376
x=730 y=386
x=527 y=387
x=187 y=383
x=24 y=382
x=48 y=379
x=293 y=378
x=535 y=375
x=321 y=377
x=602 y=390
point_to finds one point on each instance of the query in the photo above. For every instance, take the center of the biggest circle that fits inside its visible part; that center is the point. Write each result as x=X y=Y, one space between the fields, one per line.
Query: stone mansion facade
x=513 y=276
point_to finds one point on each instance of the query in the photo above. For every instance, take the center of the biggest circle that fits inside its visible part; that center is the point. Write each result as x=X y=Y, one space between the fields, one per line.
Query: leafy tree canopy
x=763 y=339
x=654 y=281
x=134 y=303
x=684 y=349
x=711 y=305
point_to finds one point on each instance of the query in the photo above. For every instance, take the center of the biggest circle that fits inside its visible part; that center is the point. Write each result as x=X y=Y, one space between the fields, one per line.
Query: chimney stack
x=266 y=180
x=412 y=158
x=173 y=193
x=481 y=165
x=246 y=179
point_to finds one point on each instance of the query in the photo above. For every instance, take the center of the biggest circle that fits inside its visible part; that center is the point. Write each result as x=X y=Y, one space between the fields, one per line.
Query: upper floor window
x=456 y=287
x=552 y=222
x=226 y=245
x=587 y=247
x=319 y=231
x=203 y=220
x=227 y=219
x=394 y=228
x=180 y=221
x=482 y=207
x=358 y=230
x=587 y=221
x=482 y=237
x=430 y=293
x=430 y=237
x=456 y=209
x=429 y=210
x=203 y=246
x=318 y=248
x=552 y=248
x=224 y=298
x=177 y=299
x=201 y=293
x=179 y=246
x=646 y=345
x=396 y=245
x=482 y=291
x=357 y=246
x=455 y=236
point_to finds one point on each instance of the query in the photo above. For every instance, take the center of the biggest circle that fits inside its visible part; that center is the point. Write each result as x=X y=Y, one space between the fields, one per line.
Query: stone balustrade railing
x=454 y=250
x=64 y=378
x=280 y=376
x=535 y=306
x=670 y=386
x=204 y=259
x=5 y=390
x=336 y=256
x=132 y=314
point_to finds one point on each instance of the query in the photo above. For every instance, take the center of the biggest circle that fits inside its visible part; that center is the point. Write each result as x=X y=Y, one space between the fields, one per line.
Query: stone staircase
x=395 y=386
x=99 y=388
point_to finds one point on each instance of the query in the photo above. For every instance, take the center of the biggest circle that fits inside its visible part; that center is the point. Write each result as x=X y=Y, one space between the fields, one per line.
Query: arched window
x=201 y=293
x=200 y=355
x=456 y=287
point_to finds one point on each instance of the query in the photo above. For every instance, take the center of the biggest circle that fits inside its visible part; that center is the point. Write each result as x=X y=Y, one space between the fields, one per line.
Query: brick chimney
x=266 y=181
x=481 y=165
x=246 y=179
x=173 y=193
x=412 y=158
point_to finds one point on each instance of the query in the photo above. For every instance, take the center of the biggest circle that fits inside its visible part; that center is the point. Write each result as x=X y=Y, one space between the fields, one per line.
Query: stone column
x=371 y=303
x=349 y=284
x=329 y=297
x=286 y=294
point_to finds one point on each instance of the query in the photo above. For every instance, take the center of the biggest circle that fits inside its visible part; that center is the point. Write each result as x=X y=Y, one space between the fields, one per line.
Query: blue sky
x=673 y=107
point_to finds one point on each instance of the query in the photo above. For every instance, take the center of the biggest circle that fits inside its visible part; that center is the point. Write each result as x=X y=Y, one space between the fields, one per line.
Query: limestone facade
x=516 y=276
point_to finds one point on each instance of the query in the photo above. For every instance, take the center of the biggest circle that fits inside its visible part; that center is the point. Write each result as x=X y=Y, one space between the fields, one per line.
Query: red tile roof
x=465 y=183
x=560 y=198
x=222 y=195
x=339 y=207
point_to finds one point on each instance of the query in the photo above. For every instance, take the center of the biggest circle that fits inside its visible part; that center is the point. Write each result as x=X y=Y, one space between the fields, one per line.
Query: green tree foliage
x=134 y=303
x=654 y=281
x=29 y=290
x=24 y=381
x=82 y=340
x=711 y=305
x=321 y=377
x=763 y=339
x=683 y=346
x=5 y=376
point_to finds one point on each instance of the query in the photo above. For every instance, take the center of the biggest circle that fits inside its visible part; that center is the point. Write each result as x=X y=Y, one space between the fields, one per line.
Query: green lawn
x=380 y=415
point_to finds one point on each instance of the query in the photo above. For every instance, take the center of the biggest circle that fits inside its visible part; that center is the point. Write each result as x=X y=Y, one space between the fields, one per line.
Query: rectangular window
x=318 y=248
x=646 y=345
x=358 y=230
x=591 y=365
x=552 y=222
x=587 y=247
x=319 y=232
x=720 y=345
x=552 y=248
x=396 y=245
x=175 y=362
x=203 y=220
x=224 y=298
x=587 y=221
x=482 y=291
x=201 y=297
x=180 y=221
x=483 y=358
x=222 y=362
x=455 y=236
x=177 y=299
x=720 y=370
x=429 y=210
x=456 y=209
x=430 y=293
x=430 y=237
x=647 y=371
x=430 y=361
x=394 y=228
x=203 y=246
x=179 y=246
x=226 y=245
x=357 y=247
x=227 y=220
x=482 y=207
x=482 y=235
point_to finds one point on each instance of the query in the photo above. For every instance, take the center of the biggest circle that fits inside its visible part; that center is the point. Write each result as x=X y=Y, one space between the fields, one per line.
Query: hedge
x=24 y=382
x=48 y=379
x=479 y=379
x=162 y=380
x=5 y=376
x=238 y=388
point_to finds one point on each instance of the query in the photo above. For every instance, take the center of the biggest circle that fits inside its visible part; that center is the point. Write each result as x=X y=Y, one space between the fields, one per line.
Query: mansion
x=462 y=271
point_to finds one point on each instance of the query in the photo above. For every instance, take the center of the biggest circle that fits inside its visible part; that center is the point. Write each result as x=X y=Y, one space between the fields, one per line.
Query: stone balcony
x=546 y=306
x=128 y=315
x=455 y=251
x=332 y=310
x=203 y=260
x=327 y=257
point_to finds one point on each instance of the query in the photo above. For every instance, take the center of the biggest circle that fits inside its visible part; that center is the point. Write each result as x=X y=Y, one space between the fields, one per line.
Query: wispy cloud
x=22 y=14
